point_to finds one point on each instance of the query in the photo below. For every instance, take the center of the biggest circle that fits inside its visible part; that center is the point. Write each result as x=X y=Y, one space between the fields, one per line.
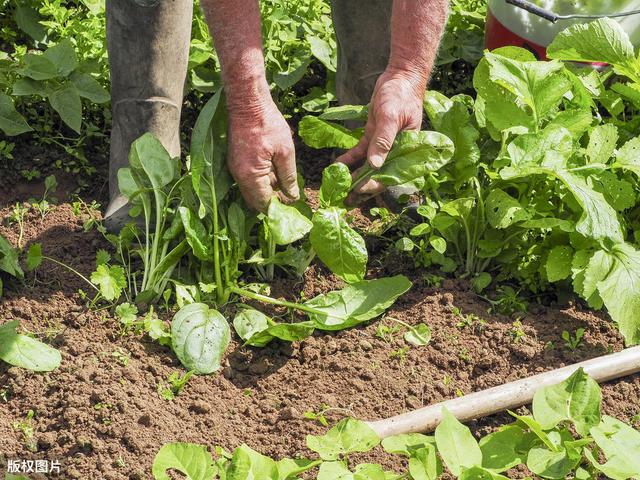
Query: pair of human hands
x=262 y=155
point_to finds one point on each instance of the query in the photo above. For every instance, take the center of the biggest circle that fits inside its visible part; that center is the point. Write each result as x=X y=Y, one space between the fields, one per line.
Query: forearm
x=235 y=27
x=416 y=29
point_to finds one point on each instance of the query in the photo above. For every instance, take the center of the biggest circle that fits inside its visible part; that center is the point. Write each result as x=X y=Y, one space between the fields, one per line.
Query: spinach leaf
x=621 y=446
x=347 y=436
x=199 y=337
x=318 y=133
x=338 y=245
x=286 y=223
x=336 y=183
x=9 y=259
x=356 y=303
x=26 y=352
x=191 y=459
x=456 y=444
x=247 y=463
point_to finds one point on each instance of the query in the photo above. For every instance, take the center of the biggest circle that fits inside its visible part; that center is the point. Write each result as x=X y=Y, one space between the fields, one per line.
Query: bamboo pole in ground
x=508 y=396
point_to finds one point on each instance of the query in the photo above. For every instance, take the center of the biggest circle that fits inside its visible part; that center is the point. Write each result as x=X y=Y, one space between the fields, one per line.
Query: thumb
x=381 y=144
x=284 y=163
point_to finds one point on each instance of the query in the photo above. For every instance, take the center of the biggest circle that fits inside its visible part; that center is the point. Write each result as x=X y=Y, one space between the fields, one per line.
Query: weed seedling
x=121 y=357
x=386 y=332
x=572 y=342
x=175 y=384
x=42 y=206
x=517 y=332
x=319 y=415
x=26 y=428
x=17 y=216
x=400 y=354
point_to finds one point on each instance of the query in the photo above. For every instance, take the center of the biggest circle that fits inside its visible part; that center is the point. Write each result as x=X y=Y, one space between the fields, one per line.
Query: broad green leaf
x=196 y=233
x=63 y=56
x=318 y=133
x=38 y=67
x=66 y=101
x=88 y=87
x=249 y=321
x=628 y=157
x=26 y=352
x=479 y=473
x=199 y=337
x=589 y=268
x=289 y=468
x=336 y=183
x=34 y=256
x=553 y=464
x=339 y=246
x=9 y=259
x=501 y=450
x=456 y=444
x=528 y=422
x=296 y=70
x=291 y=332
x=503 y=210
x=194 y=461
x=111 y=280
x=619 y=192
x=418 y=335
x=323 y=52
x=439 y=244
x=356 y=303
x=149 y=155
x=345 y=112
x=414 y=155
x=558 y=264
x=406 y=443
x=286 y=223
x=602 y=40
x=27 y=86
x=602 y=143
x=540 y=85
x=621 y=446
x=576 y=399
x=28 y=20
x=424 y=463
x=334 y=471
x=247 y=464
x=11 y=122
x=347 y=436
x=619 y=289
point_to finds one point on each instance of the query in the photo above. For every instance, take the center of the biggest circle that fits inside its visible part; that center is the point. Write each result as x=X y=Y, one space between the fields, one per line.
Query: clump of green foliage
x=566 y=437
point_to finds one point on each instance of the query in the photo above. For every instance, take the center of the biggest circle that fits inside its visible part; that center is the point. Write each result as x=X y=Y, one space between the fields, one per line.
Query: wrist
x=416 y=76
x=248 y=97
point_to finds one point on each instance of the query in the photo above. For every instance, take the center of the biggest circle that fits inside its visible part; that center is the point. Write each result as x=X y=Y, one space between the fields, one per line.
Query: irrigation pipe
x=508 y=396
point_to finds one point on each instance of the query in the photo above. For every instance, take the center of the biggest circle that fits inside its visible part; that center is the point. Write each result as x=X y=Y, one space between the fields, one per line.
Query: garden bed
x=101 y=413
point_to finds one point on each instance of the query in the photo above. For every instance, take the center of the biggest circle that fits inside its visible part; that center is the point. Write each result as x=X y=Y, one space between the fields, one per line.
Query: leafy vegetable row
x=543 y=442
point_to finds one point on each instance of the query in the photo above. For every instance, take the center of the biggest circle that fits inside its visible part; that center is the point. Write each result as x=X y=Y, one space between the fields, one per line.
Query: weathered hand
x=396 y=105
x=261 y=155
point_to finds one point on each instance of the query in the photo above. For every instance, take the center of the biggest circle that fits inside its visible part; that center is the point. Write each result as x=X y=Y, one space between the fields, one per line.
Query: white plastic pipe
x=508 y=396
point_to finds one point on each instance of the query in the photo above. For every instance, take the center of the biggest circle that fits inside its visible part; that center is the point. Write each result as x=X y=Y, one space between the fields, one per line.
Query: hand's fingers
x=256 y=191
x=354 y=156
x=381 y=142
x=370 y=187
x=284 y=162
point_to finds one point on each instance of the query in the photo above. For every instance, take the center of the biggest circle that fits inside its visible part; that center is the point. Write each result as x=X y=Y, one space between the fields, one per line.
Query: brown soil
x=100 y=413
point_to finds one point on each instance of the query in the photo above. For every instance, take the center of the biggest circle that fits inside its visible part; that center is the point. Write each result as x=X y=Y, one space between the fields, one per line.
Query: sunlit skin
x=261 y=150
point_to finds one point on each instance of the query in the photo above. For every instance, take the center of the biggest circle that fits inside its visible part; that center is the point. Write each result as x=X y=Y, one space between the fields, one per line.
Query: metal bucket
x=534 y=24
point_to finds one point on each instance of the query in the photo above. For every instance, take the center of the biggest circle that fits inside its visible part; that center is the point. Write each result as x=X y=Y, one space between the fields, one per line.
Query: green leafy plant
x=174 y=385
x=542 y=442
x=26 y=352
x=573 y=342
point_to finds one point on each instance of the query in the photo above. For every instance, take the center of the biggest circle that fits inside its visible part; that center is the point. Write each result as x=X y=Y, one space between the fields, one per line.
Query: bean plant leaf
x=347 y=436
x=576 y=399
x=336 y=183
x=318 y=133
x=602 y=40
x=199 y=337
x=111 y=280
x=66 y=101
x=63 y=57
x=249 y=464
x=38 y=67
x=286 y=223
x=621 y=446
x=26 y=352
x=193 y=460
x=323 y=52
x=456 y=444
x=356 y=303
x=414 y=155
x=11 y=122
x=89 y=88
x=339 y=246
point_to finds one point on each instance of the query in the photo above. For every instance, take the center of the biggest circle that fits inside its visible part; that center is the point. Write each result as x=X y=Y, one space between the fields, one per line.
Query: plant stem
x=283 y=303
x=72 y=270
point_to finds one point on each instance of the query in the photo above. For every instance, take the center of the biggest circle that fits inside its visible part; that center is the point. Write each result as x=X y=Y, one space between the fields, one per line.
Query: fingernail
x=376 y=161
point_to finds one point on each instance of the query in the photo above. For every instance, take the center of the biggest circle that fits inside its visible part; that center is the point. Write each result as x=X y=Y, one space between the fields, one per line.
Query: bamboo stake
x=508 y=396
